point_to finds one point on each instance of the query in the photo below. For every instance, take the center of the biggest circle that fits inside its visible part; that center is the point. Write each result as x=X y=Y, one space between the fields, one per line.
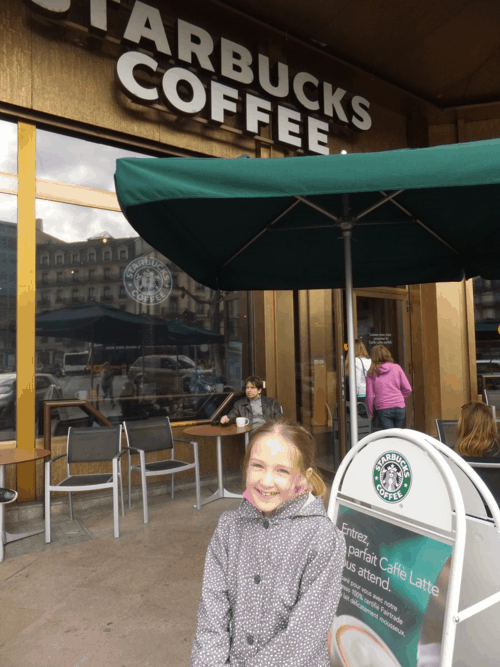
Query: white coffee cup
x=242 y=421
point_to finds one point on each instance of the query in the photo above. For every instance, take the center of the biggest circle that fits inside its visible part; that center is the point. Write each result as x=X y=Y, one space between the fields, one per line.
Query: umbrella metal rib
x=378 y=204
x=422 y=224
x=367 y=223
x=320 y=209
x=257 y=236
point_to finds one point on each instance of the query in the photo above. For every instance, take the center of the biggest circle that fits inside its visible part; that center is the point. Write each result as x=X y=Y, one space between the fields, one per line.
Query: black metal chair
x=492 y=398
x=89 y=445
x=364 y=423
x=489 y=471
x=447 y=431
x=154 y=436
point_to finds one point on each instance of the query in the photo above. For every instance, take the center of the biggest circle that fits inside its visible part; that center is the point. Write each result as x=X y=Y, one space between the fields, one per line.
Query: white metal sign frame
x=437 y=453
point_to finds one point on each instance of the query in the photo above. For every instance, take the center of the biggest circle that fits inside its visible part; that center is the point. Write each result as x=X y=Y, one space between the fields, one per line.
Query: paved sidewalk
x=89 y=599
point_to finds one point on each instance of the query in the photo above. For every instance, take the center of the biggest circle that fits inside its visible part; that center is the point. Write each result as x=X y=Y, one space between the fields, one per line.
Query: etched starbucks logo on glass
x=392 y=477
x=147 y=280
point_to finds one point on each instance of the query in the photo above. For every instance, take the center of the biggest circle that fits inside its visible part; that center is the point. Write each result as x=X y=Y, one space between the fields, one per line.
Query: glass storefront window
x=8 y=292
x=316 y=372
x=69 y=159
x=8 y=146
x=8 y=155
x=121 y=325
x=487 y=325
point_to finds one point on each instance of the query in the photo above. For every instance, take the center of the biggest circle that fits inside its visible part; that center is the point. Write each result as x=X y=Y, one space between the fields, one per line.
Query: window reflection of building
x=487 y=326
x=486 y=300
x=8 y=244
x=95 y=274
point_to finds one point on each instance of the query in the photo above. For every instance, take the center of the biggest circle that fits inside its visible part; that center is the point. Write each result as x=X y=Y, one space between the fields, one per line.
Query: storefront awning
x=417 y=216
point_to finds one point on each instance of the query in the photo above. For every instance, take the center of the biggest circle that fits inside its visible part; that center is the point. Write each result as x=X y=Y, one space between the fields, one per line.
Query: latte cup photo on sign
x=352 y=643
x=242 y=421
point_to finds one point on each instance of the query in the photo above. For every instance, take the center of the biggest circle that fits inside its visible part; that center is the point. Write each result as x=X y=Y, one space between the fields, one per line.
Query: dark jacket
x=490 y=476
x=271 y=587
x=242 y=408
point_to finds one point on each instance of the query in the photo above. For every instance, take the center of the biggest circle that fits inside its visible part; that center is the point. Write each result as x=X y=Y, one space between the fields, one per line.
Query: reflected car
x=486 y=368
x=46 y=386
x=163 y=371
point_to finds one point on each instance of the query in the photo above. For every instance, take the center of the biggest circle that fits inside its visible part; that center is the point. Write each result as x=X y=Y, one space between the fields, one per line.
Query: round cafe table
x=7 y=457
x=218 y=432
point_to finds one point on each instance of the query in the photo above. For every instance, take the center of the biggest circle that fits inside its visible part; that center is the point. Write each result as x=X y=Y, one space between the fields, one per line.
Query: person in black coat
x=255 y=407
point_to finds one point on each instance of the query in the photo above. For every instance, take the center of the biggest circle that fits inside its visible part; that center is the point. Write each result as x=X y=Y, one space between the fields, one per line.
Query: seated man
x=255 y=407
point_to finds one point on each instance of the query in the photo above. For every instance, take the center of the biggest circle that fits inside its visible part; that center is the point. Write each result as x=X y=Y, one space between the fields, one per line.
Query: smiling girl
x=273 y=568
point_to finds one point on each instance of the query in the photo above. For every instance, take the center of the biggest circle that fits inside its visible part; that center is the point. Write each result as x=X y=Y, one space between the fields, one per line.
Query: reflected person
x=107 y=377
x=256 y=408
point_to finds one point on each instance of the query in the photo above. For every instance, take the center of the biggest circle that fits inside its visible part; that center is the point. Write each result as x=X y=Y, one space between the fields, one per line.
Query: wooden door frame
x=396 y=294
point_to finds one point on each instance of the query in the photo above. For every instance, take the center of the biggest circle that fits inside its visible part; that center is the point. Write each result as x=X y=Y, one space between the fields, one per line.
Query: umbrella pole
x=353 y=399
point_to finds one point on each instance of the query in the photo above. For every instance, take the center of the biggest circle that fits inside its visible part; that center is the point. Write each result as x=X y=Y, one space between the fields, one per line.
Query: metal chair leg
x=144 y=489
x=2 y=518
x=70 y=506
x=172 y=486
x=129 y=480
x=197 y=478
x=116 y=518
x=47 y=503
x=121 y=487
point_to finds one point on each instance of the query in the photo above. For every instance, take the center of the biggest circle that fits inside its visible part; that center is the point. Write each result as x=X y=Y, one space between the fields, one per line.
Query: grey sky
x=71 y=160
x=70 y=223
x=67 y=160
x=8 y=208
x=8 y=146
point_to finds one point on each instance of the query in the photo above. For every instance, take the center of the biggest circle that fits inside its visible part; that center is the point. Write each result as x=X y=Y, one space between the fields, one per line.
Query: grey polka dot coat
x=271 y=587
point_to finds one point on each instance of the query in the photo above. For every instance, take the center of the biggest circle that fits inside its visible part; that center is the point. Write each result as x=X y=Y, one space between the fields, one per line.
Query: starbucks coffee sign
x=392 y=477
x=193 y=76
x=147 y=281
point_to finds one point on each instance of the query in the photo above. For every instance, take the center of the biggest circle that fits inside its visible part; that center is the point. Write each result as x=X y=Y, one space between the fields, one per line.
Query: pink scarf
x=298 y=490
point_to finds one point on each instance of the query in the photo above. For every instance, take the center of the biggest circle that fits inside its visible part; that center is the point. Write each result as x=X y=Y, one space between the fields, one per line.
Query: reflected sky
x=8 y=208
x=78 y=161
x=8 y=146
x=71 y=223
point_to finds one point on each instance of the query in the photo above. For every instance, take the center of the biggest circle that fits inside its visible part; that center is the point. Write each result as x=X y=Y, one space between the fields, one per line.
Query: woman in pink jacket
x=386 y=389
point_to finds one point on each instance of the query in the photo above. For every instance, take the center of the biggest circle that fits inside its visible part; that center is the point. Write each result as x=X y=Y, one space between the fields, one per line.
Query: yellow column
x=26 y=305
x=448 y=350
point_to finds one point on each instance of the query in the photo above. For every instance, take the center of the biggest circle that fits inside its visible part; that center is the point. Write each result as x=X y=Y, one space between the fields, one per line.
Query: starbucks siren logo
x=392 y=477
x=147 y=280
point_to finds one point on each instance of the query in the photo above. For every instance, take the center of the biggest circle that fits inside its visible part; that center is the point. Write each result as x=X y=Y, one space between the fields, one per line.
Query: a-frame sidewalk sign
x=421 y=585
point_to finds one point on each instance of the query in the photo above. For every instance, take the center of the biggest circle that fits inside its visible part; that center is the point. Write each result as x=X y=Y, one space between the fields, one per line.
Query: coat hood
x=385 y=367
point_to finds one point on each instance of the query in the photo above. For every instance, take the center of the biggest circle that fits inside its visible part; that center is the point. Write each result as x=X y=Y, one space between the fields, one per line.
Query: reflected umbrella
x=94 y=323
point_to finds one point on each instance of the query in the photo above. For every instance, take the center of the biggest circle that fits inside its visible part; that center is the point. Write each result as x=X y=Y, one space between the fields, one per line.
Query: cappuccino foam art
x=357 y=646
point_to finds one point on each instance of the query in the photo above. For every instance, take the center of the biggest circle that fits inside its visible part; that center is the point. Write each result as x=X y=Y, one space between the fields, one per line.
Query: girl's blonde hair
x=304 y=443
x=476 y=430
x=359 y=351
x=379 y=354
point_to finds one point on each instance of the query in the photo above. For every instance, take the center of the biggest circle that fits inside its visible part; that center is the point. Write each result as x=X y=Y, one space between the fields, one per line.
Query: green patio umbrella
x=363 y=220
x=92 y=322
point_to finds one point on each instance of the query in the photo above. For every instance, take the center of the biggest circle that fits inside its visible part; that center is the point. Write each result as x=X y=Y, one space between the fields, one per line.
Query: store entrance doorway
x=380 y=317
x=383 y=320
